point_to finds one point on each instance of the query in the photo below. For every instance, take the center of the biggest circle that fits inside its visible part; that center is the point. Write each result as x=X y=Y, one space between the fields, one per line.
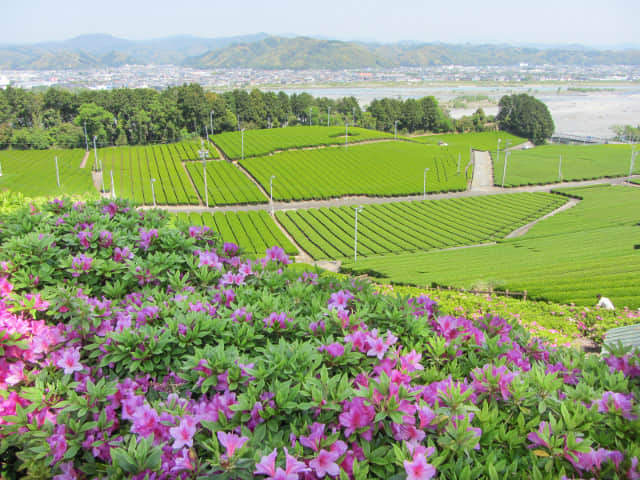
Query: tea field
x=376 y=169
x=568 y=258
x=33 y=172
x=402 y=227
x=254 y=231
x=484 y=141
x=542 y=164
x=226 y=184
x=263 y=142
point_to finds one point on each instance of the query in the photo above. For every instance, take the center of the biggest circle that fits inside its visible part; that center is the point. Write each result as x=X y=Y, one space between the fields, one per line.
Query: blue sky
x=586 y=22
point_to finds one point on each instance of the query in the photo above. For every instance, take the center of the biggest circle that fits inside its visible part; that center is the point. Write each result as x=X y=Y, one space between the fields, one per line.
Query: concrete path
x=482 y=172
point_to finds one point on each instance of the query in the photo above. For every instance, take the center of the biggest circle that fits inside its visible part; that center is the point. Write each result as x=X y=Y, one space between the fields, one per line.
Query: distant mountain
x=261 y=51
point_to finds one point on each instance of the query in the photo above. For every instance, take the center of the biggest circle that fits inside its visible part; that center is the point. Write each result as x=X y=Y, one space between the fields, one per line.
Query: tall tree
x=525 y=116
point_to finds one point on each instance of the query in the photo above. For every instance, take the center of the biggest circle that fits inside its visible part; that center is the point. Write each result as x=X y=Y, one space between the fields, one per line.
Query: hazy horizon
x=586 y=23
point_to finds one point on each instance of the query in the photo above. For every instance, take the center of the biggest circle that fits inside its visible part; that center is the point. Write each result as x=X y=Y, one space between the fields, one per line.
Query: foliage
x=166 y=355
x=525 y=116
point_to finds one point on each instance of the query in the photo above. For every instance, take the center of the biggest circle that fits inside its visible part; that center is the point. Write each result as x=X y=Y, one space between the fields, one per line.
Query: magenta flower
x=231 y=442
x=80 y=264
x=617 y=402
x=58 y=443
x=69 y=361
x=84 y=237
x=325 y=464
x=209 y=259
x=68 y=472
x=313 y=440
x=276 y=254
x=419 y=469
x=267 y=464
x=122 y=254
x=339 y=300
x=106 y=238
x=541 y=437
x=333 y=349
x=183 y=433
x=5 y=287
x=357 y=415
x=146 y=236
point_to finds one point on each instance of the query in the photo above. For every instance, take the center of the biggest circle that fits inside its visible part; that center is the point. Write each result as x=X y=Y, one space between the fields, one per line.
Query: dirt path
x=482 y=172
x=524 y=229
x=83 y=164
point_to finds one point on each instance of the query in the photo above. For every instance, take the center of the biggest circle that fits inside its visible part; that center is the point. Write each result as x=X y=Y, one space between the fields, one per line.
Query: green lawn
x=542 y=164
x=485 y=141
x=568 y=258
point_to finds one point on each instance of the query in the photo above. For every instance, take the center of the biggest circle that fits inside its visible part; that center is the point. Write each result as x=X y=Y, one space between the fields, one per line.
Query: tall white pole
x=57 y=173
x=498 y=151
x=633 y=157
x=211 y=120
x=328 y=115
x=102 y=177
x=271 y=192
x=95 y=151
x=504 y=171
x=86 y=139
x=560 y=168
x=153 y=191
x=113 y=187
x=424 y=184
x=355 y=235
x=395 y=130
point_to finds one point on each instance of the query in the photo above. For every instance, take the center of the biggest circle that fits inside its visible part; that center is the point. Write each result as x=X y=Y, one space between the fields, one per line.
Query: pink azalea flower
x=419 y=469
x=231 y=442
x=183 y=433
x=68 y=472
x=69 y=361
x=325 y=464
x=267 y=464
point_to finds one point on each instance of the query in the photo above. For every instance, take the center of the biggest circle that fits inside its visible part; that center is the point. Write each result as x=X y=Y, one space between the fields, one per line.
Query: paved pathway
x=482 y=172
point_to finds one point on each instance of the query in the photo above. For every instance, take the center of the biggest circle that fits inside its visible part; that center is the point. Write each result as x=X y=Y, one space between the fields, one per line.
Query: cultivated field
x=33 y=172
x=485 y=141
x=262 y=142
x=402 y=227
x=253 y=231
x=377 y=169
x=542 y=164
x=568 y=258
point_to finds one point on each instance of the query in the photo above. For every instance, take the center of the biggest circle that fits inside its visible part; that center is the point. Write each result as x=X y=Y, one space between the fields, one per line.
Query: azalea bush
x=135 y=349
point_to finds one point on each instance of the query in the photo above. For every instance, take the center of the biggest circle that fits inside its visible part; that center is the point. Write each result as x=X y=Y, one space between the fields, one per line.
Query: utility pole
x=211 y=121
x=153 y=192
x=113 y=187
x=328 y=115
x=633 y=157
x=86 y=140
x=395 y=130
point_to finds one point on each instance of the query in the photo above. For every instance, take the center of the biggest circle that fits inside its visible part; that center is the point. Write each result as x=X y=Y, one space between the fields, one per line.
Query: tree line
x=66 y=119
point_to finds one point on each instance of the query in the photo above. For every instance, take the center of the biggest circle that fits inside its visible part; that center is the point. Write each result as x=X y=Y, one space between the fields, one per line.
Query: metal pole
x=560 y=168
x=633 y=157
x=504 y=171
x=211 y=120
x=113 y=187
x=86 y=139
x=95 y=151
x=102 y=176
x=424 y=184
x=355 y=236
x=57 y=173
x=395 y=130
x=271 y=192
x=153 y=191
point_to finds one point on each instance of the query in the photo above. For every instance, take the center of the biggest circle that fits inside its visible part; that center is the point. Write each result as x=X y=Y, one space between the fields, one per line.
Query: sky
x=541 y=22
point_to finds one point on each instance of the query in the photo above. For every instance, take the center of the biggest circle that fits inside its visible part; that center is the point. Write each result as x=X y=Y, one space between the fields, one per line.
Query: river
x=590 y=113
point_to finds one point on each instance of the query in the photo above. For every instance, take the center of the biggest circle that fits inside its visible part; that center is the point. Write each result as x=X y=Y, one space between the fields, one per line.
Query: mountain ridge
x=268 y=52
